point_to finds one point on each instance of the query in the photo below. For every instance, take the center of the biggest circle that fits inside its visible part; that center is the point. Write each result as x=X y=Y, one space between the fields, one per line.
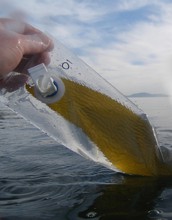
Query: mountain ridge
x=146 y=94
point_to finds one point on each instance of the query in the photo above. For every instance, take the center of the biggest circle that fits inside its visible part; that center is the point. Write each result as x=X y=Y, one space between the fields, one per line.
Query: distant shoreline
x=145 y=94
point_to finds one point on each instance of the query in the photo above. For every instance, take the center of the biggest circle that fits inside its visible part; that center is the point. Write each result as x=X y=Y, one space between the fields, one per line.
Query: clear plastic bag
x=91 y=117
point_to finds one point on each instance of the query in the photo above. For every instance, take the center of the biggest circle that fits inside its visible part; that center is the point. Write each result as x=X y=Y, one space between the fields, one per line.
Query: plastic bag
x=90 y=116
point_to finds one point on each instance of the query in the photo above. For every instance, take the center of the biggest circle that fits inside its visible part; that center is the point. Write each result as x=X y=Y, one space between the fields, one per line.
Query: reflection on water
x=41 y=180
x=134 y=198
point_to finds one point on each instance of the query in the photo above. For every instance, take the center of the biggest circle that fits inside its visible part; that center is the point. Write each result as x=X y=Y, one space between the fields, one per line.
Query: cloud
x=127 y=41
x=140 y=60
x=80 y=11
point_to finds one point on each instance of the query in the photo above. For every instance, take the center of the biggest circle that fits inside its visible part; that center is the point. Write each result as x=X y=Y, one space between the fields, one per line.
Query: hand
x=20 y=41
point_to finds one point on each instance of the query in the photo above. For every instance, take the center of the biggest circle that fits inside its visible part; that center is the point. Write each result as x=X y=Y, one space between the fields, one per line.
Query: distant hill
x=145 y=94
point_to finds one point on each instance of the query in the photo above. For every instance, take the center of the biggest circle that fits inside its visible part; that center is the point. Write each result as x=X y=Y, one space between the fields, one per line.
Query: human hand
x=19 y=42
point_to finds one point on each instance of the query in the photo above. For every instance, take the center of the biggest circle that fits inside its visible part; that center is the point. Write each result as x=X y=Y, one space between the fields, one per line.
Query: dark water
x=41 y=180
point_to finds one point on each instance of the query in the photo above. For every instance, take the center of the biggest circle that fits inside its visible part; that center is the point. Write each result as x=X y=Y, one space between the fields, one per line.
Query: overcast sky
x=129 y=42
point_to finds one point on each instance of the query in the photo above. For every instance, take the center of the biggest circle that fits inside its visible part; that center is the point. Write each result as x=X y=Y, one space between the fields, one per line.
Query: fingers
x=44 y=58
x=30 y=61
x=32 y=40
x=18 y=40
x=35 y=43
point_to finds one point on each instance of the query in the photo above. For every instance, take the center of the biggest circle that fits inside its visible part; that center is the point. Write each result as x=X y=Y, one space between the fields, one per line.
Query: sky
x=128 y=42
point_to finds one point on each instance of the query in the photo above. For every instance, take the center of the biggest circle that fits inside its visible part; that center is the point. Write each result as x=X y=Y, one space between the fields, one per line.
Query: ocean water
x=41 y=180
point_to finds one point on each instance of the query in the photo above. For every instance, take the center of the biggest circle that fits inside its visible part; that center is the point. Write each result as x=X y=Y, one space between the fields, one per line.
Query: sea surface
x=41 y=180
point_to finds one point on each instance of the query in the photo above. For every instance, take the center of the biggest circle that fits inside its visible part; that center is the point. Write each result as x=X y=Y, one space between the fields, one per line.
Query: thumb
x=35 y=43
